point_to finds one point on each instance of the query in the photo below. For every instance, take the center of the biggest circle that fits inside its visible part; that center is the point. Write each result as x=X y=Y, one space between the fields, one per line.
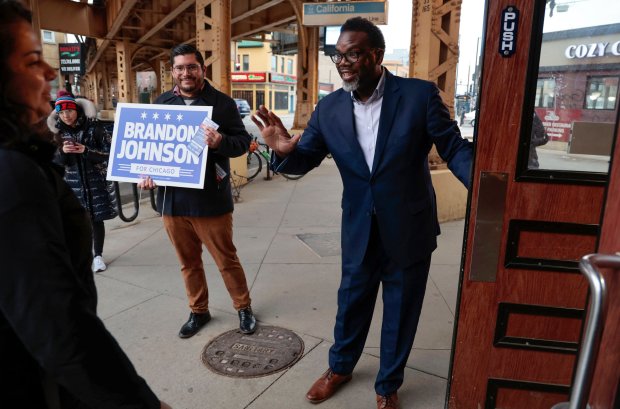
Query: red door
x=539 y=202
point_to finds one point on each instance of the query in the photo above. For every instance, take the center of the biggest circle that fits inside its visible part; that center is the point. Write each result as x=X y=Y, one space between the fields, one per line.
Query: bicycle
x=256 y=154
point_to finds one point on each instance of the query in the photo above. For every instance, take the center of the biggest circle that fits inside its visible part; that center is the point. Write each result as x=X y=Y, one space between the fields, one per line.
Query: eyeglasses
x=351 y=56
x=191 y=68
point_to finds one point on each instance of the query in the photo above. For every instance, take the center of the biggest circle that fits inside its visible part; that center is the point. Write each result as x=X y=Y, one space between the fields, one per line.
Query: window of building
x=246 y=62
x=48 y=36
x=260 y=99
x=601 y=93
x=282 y=64
x=545 y=93
x=274 y=63
x=281 y=100
x=248 y=95
x=289 y=67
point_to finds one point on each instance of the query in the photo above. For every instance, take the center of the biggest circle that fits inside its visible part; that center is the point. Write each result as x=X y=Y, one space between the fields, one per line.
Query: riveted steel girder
x=434 y=44
x=213 y=40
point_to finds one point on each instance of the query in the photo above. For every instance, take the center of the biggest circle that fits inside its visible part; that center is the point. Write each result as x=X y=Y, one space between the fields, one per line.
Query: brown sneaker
x=388 y=402
x=326 y=386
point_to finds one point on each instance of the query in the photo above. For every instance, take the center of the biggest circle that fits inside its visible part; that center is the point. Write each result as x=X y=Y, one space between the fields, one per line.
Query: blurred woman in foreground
x=55 y=351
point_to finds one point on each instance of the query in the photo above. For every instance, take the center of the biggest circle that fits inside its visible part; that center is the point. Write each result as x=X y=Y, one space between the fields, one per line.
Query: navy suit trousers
x=403 y=294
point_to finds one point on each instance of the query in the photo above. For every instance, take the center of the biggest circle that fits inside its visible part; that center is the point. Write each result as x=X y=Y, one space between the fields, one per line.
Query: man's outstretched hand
x=274 y=133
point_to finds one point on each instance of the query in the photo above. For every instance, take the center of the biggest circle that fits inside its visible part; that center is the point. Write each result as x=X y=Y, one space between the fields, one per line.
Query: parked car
x=470 y=118
x=243 y=107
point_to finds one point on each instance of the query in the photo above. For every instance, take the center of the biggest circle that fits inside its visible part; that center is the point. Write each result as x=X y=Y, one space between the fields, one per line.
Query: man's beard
x=351 y=86
x=195 y=87
x=188 y=88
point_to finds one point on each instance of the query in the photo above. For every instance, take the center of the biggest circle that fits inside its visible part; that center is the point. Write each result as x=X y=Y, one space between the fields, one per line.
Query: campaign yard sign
x=153 y=140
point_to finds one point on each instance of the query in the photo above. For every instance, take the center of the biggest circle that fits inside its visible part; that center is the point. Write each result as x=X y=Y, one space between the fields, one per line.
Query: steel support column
x=85 y=85
x=434 y=44
x=96 y=90
x=105 y=86
x=434 y=50
x=307 y=75
x=135 y=92
x=213 y=41
x=160 y=74
x=307 y=69
x=123 y=58
x=93 y=87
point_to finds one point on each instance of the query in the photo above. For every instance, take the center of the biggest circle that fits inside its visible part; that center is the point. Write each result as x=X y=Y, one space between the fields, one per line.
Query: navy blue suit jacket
x=398 y=189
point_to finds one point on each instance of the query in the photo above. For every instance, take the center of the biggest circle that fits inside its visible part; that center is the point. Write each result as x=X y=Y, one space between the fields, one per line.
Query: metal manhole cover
x=268 y=350
x=323 y=244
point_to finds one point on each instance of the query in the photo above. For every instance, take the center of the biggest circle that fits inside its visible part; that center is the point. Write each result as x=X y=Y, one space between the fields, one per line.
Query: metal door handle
x=592 y=335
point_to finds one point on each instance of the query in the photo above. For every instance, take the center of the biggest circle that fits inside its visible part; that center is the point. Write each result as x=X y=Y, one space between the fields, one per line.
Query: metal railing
x=590 y=342
x=135 y=200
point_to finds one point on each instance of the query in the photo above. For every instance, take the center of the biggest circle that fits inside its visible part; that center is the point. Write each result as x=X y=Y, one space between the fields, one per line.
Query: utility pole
x=467 y=90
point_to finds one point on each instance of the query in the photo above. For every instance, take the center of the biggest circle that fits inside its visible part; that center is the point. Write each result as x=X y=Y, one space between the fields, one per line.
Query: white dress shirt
x=367 y=116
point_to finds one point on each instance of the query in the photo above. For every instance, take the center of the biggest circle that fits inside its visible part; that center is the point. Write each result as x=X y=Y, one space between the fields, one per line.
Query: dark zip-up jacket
x=215 y=198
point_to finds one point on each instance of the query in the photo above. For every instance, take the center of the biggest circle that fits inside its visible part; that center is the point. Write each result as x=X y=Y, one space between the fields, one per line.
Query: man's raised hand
x=274 y=133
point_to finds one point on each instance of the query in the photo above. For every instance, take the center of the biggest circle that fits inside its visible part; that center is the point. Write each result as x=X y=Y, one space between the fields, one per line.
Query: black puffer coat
x=86 y=172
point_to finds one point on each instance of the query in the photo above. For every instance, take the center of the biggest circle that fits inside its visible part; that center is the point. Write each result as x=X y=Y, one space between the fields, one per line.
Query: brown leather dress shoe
x=388 y=402
x=326 y=386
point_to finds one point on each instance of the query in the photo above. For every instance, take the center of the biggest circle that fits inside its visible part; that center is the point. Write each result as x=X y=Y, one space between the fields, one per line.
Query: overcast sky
x=583 y=13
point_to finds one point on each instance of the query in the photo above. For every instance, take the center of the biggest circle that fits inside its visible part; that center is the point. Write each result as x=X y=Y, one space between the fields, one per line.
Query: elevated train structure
x=135 y=35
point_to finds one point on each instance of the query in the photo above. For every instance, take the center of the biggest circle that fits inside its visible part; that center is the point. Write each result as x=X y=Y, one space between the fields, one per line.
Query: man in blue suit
x=379 y=129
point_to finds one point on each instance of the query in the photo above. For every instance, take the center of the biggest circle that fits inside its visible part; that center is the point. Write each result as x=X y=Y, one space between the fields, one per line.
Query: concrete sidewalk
x=293 y=285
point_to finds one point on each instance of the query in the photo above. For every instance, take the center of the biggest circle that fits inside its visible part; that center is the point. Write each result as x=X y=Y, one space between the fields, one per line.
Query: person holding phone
x=84 y=150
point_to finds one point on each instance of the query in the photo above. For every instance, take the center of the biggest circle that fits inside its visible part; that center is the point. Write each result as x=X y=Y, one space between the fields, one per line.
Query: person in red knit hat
x=84 y=150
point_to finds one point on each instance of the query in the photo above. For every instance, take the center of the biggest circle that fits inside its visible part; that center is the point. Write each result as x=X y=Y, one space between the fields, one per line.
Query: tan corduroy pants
x=188 y=234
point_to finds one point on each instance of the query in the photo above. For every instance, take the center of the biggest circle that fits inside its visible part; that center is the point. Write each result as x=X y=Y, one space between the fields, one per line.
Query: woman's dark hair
x=14 y=118
x=375 y=36
x=184 y=49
